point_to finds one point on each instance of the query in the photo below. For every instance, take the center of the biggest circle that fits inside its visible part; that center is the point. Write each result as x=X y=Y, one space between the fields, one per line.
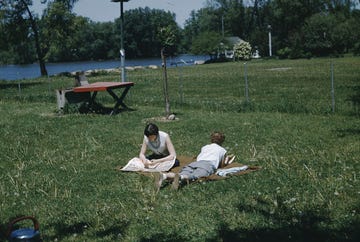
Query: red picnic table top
x=101 y=86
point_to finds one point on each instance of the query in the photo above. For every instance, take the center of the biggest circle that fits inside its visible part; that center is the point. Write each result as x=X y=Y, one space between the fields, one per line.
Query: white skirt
x=135 y=164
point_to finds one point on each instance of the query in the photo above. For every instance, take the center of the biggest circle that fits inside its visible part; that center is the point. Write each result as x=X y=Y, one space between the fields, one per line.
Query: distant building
x=234 y=40
x=229 y=46
x=227 y=49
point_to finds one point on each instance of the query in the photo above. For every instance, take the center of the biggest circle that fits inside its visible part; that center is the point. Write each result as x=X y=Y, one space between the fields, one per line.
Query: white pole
x=122 y=51
x=270 y=51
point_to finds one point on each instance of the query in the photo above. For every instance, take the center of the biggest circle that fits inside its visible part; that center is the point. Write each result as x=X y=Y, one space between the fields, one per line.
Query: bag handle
x=11 y=224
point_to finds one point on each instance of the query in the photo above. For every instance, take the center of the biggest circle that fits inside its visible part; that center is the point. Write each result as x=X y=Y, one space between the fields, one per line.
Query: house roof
x=233 y=40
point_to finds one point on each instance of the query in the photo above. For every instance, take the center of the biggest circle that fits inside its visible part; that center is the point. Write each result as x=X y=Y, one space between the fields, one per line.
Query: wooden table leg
x=119 y=100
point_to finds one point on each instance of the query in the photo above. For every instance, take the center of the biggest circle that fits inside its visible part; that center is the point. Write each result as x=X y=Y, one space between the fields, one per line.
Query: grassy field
x=60 y=167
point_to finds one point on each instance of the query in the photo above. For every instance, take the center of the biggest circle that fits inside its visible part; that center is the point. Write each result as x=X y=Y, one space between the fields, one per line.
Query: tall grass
x=60 y=168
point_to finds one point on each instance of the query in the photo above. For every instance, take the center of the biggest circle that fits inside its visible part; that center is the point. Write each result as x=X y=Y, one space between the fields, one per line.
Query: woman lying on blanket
x=160 y=144
x=210 y=158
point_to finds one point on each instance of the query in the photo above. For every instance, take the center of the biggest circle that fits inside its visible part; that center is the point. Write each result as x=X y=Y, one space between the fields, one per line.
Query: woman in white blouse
x=160 y=144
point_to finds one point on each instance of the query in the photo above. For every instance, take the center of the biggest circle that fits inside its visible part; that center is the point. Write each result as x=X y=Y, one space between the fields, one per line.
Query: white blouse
x=213 y=153
x=159 y=146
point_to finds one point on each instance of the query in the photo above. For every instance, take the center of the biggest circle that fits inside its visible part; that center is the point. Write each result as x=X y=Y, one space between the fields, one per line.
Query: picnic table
x=96 y=87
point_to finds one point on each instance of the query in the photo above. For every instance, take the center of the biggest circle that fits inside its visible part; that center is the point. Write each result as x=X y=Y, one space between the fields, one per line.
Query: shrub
x=356 y=49
x=242 y=51
x=283 y=53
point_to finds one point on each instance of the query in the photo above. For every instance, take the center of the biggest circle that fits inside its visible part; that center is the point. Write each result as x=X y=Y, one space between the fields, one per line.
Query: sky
x=105 y=10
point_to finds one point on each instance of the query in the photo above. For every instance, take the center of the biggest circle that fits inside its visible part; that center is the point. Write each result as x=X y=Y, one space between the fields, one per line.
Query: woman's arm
x=170 y=148
x=142 y=154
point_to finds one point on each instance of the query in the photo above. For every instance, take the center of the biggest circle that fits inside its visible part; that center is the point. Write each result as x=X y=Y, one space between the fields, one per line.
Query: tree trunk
x=39 y=52
x=166 y=94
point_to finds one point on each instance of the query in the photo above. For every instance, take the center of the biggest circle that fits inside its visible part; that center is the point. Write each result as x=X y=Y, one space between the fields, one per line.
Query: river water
x=19 y=72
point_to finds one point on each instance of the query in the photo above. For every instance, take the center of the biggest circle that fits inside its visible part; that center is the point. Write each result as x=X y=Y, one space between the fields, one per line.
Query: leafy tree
x=293 y=18
x=206 y=43
x=220 y=17
x=298 y=29
x=58 y=26
x=141 y=29
x=191 y=30
x=355 y=36
x=18 y=13
x=104 y=39
x=205 y=20
x=14 y=37
x=209 y=19
x=82 y=37
x=288 y=18
x=235 y=19
x=319 y=35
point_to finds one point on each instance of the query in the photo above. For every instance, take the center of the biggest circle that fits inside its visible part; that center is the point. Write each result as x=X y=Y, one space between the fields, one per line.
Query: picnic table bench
x=109 y=87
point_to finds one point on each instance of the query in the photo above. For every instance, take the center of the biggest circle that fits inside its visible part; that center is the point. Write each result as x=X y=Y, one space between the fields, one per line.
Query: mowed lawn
x=276 y=114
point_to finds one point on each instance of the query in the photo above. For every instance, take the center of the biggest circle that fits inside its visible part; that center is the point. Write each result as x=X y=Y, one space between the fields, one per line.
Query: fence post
x=181 y=84
x=19 y=88
x=246 y=83
x=332 y=87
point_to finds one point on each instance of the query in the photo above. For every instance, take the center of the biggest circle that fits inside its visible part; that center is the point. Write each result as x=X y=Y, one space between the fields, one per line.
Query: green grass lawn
x=60 y=167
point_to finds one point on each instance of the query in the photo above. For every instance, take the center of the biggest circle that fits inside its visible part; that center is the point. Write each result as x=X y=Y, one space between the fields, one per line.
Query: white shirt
x=213 y=153
x=159 y=146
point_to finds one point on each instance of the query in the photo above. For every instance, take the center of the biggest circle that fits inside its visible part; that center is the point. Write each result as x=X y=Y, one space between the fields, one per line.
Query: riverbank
x=127 y=68
x=19 y=72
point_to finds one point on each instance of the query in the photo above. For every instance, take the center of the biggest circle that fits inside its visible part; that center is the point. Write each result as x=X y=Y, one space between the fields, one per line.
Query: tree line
x=298 y=28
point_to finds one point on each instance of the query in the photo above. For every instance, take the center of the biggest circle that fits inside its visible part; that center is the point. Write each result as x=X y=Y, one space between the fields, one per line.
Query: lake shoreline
x=31 y=71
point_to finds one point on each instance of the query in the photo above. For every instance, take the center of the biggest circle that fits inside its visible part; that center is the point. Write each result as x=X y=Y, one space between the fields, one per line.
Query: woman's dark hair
x=218 y=138
x=151 y=129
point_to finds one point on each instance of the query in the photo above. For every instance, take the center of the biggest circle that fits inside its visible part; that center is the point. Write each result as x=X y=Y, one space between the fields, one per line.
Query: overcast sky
x=105 y=10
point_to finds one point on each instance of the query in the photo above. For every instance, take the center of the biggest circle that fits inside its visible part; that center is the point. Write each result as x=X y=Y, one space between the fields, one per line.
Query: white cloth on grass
x=229 y=171
x=135 y=164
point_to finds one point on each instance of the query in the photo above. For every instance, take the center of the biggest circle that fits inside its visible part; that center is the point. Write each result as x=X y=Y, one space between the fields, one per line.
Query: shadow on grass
x=114 y=232
x=347 y=132
x=165 y=238
x=355 y=100
x=63 y=231
x=283 y=224
x=297 y=234
x=286 y=225
x=3 y=231
x=94 y=108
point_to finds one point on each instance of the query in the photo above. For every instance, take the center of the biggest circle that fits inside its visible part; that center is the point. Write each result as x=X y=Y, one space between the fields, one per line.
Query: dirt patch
x=162 y=119
x=280 y=69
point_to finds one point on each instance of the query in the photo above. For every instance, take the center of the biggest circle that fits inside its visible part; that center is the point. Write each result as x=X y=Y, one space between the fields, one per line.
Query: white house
x=230 y=43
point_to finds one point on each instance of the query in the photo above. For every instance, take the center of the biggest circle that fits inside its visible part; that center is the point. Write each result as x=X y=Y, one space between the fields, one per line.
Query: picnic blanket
x=135 y=164
x=185 y=160
x=233 y=169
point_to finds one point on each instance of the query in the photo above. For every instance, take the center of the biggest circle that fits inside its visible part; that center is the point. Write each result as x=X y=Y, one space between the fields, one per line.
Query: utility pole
x=222 y=26
x=269 y=29
x=122 y=50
